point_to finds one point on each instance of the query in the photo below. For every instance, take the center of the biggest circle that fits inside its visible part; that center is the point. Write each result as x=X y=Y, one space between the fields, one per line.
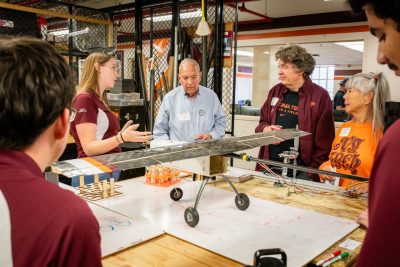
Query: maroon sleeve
x=265 y=114
x=77 y=237
x=265 y=120
x=87 y=109
x=379 y=248
x=324 y=132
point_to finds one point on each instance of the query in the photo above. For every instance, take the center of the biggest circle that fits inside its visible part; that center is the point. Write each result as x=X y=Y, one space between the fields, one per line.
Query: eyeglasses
x=72 y=114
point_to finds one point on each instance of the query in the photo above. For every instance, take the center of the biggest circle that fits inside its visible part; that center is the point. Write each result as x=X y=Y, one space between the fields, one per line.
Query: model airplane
x=141 y=158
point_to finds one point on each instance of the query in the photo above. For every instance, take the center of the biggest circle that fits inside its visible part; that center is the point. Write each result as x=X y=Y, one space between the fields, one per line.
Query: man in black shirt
x=338 y=101
x=287 y=118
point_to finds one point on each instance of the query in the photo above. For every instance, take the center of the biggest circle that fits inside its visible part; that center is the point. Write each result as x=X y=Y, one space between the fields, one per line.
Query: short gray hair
x=378 y=84
x=298 y=56
x=189 y=61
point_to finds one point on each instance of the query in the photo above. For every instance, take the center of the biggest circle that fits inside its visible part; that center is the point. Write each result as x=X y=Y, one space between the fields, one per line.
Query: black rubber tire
x=191 y=217
x=242 y=201
x=176 y=194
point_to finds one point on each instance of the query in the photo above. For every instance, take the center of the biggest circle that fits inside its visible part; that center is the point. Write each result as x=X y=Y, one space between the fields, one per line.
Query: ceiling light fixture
x=6 y=23
x=244 y=53
x=65 y=32
x=59 y=32
x=356 y=45
x=186 y=15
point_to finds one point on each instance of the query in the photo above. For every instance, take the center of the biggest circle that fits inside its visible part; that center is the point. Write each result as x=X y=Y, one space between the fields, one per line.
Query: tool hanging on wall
x=151 y=74
x=161 y=85
x=211 y=53
x=185 y=40
x=203 y=29
x=171 y=70
x=180 y=39
x=139 y=58
x=198 y=51
x=151 y=95
x=166 y=84
x=158 y=85
x=175 y=72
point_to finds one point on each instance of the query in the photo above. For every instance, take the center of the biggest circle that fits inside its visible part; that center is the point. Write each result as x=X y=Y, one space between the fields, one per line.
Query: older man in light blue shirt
x=190 y=112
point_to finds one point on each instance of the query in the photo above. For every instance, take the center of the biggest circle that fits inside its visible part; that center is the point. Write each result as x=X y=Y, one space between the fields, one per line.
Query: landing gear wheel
x=191 y=217
x=176 y=194
x=242 y=201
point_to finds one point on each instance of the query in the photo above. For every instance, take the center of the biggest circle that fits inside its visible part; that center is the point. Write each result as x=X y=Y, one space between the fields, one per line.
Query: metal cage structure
x=143 y=32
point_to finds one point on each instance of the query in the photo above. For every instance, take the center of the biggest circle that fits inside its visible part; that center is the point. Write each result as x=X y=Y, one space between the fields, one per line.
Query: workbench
x=167 y=250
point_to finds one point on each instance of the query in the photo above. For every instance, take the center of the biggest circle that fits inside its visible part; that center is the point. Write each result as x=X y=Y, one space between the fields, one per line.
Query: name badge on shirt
x=184 y=116
x=345 y=131
x=274 y=101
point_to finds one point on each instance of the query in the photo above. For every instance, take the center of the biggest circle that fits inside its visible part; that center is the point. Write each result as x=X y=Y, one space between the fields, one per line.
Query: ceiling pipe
x=165 y=5
x=27 y=3
x=219 y=47
x=157 y=11
x=154 y=3
x=191 y=6
x=243 y=8
x=48 y=3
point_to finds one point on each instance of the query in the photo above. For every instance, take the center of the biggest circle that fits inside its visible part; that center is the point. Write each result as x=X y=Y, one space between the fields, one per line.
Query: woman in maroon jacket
x=297 y=101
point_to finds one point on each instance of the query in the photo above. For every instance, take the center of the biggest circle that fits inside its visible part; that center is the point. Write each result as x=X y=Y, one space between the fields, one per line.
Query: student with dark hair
x=296 y=100
x=379 y=248
x=40 y=224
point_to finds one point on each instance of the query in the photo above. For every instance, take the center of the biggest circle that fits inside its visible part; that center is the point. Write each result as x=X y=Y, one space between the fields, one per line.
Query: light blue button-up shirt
x=181 y=117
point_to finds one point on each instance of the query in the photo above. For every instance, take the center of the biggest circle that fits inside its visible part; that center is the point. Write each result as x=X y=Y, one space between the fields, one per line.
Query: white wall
x=243 y=88
x=273 y=67
x=260 y=76
x=370 y=65
x=246 y=125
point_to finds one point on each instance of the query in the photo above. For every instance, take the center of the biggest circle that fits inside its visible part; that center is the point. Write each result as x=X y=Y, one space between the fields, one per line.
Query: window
x=323 y=75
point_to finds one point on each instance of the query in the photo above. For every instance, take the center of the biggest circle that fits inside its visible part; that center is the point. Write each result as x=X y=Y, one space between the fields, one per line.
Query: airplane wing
x=141 y=158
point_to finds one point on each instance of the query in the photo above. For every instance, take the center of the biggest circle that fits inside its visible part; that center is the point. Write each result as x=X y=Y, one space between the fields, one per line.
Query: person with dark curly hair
x=297 y=101
x=40 y=224
x=379 y=247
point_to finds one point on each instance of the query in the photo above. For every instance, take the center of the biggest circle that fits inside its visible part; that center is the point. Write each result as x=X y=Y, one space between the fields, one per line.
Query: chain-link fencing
x=74 y=31
x=78 y=31
x=157 y=49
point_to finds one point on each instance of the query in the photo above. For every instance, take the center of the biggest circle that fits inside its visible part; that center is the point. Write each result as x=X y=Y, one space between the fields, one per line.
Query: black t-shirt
x=338 y=99
x=287 y=117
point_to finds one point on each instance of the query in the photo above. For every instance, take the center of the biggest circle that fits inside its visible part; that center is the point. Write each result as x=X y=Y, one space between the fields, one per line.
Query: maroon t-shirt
x=49 y=226
x=380 y=246
x=91 y=110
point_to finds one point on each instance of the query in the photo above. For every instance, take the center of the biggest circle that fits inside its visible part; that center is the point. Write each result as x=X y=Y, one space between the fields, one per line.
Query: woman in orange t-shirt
x=356 y=141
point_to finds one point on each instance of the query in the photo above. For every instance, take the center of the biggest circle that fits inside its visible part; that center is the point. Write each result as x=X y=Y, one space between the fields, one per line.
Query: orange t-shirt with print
x=353 y=151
